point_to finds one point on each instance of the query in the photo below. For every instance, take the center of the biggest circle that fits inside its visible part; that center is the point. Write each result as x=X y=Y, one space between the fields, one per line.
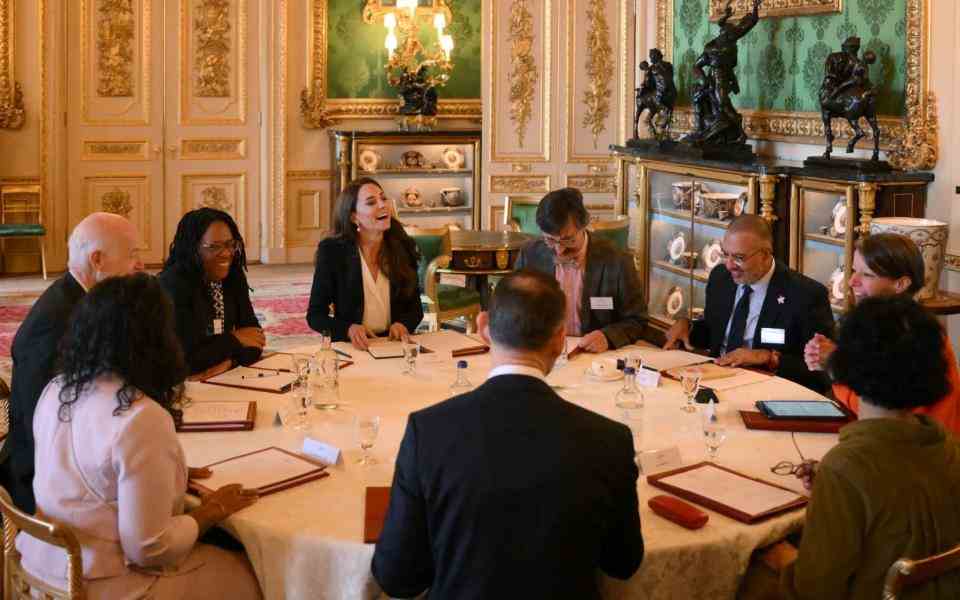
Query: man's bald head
x=102 y=245
x=752 y=224
x=748 y=249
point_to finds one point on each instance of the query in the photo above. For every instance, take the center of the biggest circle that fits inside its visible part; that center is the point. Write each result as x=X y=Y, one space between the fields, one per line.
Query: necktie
x=739 y=325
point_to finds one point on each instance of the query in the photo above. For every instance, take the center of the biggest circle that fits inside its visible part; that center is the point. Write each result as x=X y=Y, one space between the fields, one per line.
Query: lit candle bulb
x=391 y=42
x=446 y=42
x=439 y=21
x=390 y=20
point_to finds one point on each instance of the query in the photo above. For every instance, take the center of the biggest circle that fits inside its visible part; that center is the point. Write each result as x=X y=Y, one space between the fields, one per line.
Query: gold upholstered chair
x=907 y=573
x=21 y=216
x=449 y=301
x=17 y=583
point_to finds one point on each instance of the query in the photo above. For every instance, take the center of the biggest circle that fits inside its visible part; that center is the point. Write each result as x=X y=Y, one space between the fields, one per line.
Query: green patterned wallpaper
x=355 y=52
x=780 y=62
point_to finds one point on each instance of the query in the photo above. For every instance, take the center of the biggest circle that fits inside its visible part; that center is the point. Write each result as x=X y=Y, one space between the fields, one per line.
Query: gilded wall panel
x=125 y=194
x=115 y=61
x=223 y=191
x=519 y=184
x=115 y=150
x=520 y=75
x=310 y=207
x=776 y=8
x=213 y=67
x=593 y=184
x=213 y=149
x=596 y=82
x=12 y=110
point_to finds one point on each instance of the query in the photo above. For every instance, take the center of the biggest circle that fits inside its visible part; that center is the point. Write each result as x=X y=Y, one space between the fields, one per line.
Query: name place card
x=327 y=454
x=657 y=461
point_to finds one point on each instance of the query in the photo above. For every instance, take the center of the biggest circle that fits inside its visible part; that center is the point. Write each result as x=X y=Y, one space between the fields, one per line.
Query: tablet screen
x=802 y=409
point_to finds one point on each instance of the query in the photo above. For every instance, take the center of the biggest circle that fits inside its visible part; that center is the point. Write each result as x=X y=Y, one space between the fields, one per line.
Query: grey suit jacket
x=609 y=274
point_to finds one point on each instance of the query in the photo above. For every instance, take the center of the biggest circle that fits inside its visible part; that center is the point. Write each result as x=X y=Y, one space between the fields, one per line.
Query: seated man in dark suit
x=604 y=303
x=509 y=491
x=100 y=246
x=758 y=312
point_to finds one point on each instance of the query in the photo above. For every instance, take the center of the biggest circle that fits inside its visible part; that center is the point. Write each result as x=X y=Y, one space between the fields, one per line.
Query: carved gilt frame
x=12 y=112
x=777 y=8
x=374 y=9
x=911 y=141
x=319 y=112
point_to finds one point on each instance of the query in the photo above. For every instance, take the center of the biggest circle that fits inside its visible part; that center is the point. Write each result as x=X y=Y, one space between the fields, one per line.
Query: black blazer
x=338 y=279
x=805 y=311
x=609 y=273
x=509 y=491
x=193 y=312
x=35 y=352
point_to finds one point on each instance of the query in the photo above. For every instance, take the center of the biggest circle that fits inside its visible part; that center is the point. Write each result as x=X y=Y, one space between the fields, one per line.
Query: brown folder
x=198 y=487
x=757 y=420
x=470 y=351
x=714 y=505
x=374 y=513
x=245 y=425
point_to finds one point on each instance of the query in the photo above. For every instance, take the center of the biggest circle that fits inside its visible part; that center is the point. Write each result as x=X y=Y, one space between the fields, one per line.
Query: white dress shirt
x=517 y=370
x=376 y=299
x=756 y=305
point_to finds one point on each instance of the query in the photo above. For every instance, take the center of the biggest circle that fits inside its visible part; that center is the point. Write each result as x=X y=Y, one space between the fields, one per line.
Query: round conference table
x=307 y=541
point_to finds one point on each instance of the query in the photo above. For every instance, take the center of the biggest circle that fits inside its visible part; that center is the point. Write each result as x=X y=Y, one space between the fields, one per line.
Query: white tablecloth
x=306 y=542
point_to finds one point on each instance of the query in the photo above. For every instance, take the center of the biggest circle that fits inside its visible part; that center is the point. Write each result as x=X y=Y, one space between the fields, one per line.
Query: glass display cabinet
x=432 y=178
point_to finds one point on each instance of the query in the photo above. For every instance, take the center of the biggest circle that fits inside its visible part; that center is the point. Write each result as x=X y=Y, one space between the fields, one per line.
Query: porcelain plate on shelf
x=674 y=301
x=677 y=246
x=453 y=158
x=369 y=160
x=712 y=254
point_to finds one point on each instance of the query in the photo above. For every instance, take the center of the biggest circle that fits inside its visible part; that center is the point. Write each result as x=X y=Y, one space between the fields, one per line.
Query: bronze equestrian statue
x=846 y=92
x=657 y=95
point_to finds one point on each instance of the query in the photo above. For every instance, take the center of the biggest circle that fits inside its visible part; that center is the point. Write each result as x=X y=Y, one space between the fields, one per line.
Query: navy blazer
x=794 y=303
x=193 y=312
x=35 y=351
x=609 y=273
x=338 y=280
x=509 y=491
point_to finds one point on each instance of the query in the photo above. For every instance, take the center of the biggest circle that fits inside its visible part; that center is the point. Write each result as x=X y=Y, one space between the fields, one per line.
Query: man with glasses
x=758 y=312
x=604 y=304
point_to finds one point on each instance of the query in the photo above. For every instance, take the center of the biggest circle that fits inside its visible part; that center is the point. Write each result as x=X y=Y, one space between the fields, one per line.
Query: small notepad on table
x=218 y=416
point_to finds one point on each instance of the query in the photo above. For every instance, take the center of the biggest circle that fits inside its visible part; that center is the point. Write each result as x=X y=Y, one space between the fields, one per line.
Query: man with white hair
x=101 y=245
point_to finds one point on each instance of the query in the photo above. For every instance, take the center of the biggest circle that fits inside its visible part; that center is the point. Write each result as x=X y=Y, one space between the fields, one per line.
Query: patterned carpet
x=281 y=307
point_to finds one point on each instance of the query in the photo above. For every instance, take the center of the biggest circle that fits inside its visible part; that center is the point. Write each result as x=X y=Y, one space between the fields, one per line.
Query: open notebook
x=218 y=416
x=266 y=380
x=267 y=470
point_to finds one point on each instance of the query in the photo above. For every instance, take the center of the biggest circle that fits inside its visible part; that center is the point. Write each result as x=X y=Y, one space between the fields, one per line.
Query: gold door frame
x=12 y=112
x=911 y=141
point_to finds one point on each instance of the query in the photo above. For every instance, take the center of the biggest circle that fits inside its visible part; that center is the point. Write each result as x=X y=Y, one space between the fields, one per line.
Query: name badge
x=601 y=303
x=217 y=326
x=771 y=335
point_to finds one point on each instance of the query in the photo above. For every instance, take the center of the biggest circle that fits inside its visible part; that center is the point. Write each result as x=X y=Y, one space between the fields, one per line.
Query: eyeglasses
x=219 y=247
x=564 y=242
x=785 y=467
x=740 y=259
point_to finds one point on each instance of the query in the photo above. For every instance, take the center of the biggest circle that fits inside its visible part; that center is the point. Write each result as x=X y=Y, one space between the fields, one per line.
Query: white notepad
x=255 y=379
x=735 y=491
x=199 y=413
x=386 y=349
x=663 y=360
x=268 y=470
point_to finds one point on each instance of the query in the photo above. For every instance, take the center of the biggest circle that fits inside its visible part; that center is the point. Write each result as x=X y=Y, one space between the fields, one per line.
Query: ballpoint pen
x=342 y=353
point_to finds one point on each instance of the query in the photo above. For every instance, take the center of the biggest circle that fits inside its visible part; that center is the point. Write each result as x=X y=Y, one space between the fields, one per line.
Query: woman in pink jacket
x=109 y=464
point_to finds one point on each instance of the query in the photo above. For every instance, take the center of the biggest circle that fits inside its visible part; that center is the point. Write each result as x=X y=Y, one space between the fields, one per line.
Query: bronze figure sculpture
x=717 y=122
x=846 y=92
x=657 y=95
x=419 y=95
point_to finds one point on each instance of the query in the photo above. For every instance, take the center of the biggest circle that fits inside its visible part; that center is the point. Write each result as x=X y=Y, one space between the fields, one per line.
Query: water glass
x=563 y=359
x=367 y=429
x=690 y=382
x=324 y=382
x=714 y=432
x=634 y=359
x=411 y=350
x=299 y=416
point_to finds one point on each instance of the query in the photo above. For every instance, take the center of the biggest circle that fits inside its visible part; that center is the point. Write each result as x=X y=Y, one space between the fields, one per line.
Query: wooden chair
x=21 y=216
x=616 y=230
x=450 y=302
x=520 y=214
x=4 y=410
x=17 y=583
x=906 y=573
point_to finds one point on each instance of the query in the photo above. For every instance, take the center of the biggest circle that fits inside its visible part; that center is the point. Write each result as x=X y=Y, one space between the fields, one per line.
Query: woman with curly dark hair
x=889 y=488
x=205 y=277
x=888 y=264
x=109 y=463
x=367 y=270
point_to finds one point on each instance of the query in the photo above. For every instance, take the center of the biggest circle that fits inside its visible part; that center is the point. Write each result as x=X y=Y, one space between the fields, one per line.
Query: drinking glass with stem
x=367 y=428
x=411 y=349
x=690 y=383
x=714 y=432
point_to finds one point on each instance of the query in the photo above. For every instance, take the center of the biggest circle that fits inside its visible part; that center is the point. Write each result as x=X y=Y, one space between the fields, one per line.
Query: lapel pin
x=781 y=299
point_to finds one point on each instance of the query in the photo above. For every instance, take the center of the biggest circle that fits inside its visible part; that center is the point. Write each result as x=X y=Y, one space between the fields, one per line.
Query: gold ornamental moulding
x=116 y=29
x=12 y=111
x=912 y=141
x=523 y=76
x=212 y=61
x=593 y=184
x=373 y=11
x=320 y=112
x=600 y=70
x=777 y=8
x=519 y=184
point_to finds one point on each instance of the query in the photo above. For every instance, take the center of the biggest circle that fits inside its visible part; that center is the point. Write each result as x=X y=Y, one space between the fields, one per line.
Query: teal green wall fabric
x=780 y=62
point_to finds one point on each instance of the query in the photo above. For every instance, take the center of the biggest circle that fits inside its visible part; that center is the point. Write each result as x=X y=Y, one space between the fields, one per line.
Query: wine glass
x=690 y=382
x=714 y=433
x=634 y=359
x=563 y=359
x=367 y=429
x=411 y=350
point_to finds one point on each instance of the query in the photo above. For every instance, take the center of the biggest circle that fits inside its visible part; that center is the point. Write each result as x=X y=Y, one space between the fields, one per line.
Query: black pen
x=342 y=353
x=260 y=374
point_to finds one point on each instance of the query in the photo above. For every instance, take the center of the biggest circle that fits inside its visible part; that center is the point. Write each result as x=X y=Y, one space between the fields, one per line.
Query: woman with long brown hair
x=367 y=270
